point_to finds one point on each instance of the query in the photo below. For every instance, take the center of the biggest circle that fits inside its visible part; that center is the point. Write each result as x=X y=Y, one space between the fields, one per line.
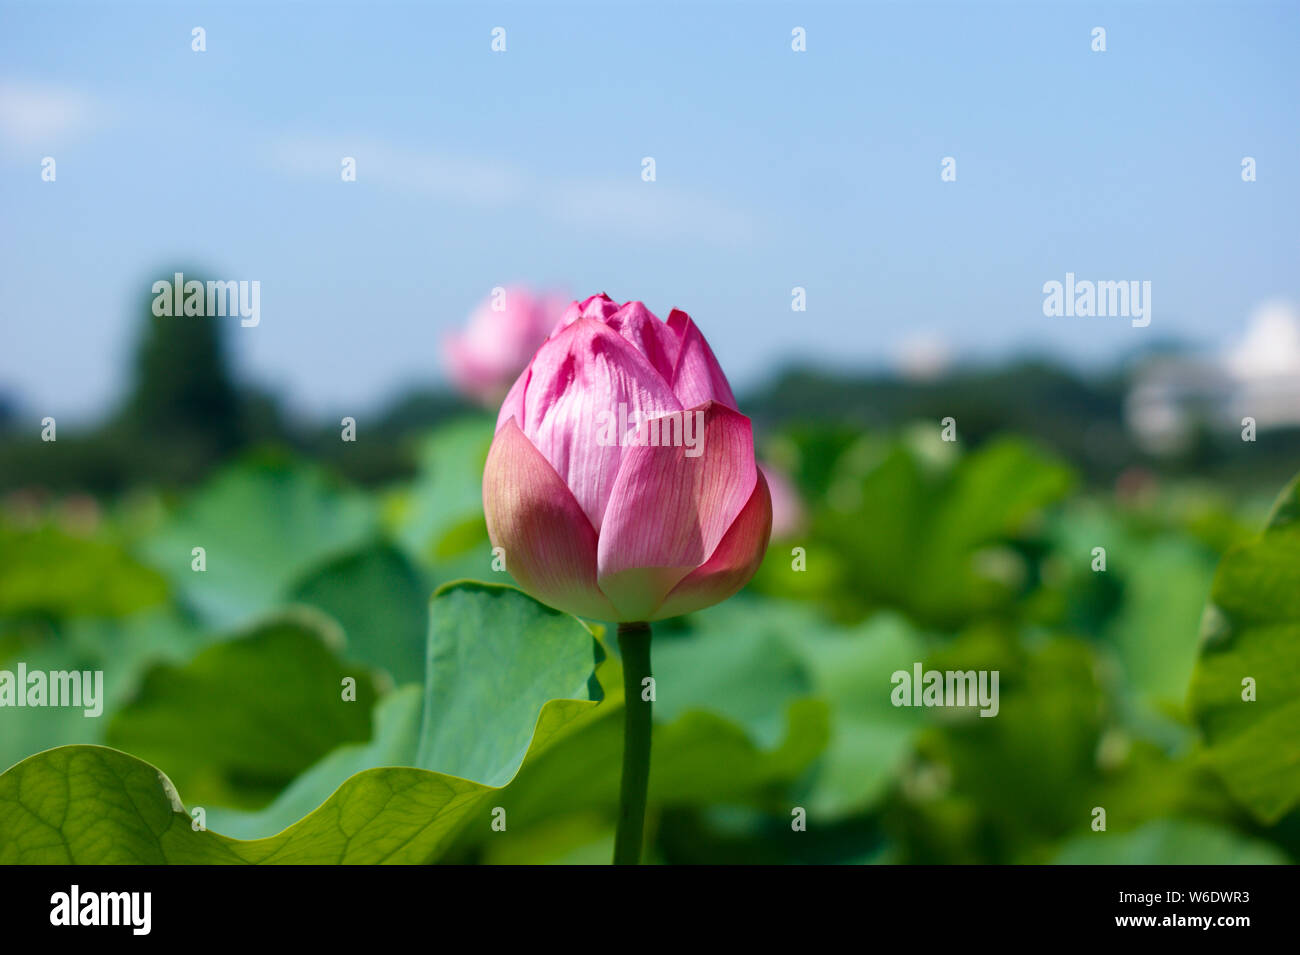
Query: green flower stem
x=634 y=643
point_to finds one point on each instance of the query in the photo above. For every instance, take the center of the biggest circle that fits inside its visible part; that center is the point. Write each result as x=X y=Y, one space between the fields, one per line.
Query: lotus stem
x=634 y=644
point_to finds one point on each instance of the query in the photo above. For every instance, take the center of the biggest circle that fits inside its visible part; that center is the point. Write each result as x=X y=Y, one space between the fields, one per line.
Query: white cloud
x=441 y=177
x=44 y=116
x=633 y=208
x=650 y=210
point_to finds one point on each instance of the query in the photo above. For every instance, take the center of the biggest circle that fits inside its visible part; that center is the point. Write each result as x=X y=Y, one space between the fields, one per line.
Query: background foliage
x=223 y=687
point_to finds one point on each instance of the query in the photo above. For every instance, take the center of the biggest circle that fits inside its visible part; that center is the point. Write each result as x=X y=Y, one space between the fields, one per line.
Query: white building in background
x=926 y=356
x=1257 y=378
x=1266 y=368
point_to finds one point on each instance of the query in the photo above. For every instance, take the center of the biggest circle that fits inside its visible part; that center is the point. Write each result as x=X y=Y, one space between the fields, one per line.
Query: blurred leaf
x=380 y=600
x=935 y=539
x=1029 y=774
x=752 y=695
x=579 y=839
x=1252 y=631
x=870 y=737
x=698 y=758
x=263 y=523
x=1155 y=630
x=1169 y=842
x=1147 y=602
x=394 y=739
x=244 y=717
x=735 y=660
x=739 y=835
x=45 y=571
x=121 y=649
x=532 y=657
x=442 y=512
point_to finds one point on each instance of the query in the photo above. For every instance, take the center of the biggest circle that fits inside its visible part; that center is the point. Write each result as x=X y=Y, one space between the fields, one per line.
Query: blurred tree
x=183 y=391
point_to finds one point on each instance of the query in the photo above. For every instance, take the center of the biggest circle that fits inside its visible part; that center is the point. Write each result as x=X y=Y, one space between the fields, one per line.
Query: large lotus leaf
x=244 y=717
x=533 y=655
x=393 y=743
x=495 y=656
x=93 y=804
x=381 y=602
x=121 y=650
x=46 y=571
x=262 y=523
x=698 y=757
x=1245 y=691
x=798 y=709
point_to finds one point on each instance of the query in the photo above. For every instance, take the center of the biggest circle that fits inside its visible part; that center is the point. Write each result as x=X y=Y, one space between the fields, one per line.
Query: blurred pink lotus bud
x=621 y=482
x=787 y=507
x=501 y=336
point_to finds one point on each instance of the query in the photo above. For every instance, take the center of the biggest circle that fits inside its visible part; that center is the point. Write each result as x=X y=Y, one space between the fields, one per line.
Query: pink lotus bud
x=501 y=336
x=621 y=482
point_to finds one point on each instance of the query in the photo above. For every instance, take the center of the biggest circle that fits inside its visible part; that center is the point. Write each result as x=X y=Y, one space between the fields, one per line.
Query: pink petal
x=598 y=307
x=668 y=511
x=787 y=508
x=513 y=406
x=697 y=377
x=550 y=548
x=580 y=380
x=650 y=336
x=734 y=561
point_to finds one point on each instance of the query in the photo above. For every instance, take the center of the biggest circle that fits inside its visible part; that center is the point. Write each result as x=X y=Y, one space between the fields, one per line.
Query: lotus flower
x=501 y=336
x=624 y=523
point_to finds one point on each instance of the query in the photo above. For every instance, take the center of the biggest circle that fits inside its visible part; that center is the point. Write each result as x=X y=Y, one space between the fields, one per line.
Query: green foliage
x=912 y=526
x=380 y=600
x=1246 y=689
x=494 y=658
x=245 y=716
x=227 y=682
x=374 y=814
x=263 y=523
x=122 y=649
x=1169 y=842
x=45 y=571
x=438 y=518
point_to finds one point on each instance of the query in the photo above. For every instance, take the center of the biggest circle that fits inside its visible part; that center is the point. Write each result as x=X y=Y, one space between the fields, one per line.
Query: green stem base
x=634 y=643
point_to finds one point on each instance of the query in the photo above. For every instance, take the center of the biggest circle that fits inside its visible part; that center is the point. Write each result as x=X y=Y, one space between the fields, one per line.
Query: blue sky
x=775 y=169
